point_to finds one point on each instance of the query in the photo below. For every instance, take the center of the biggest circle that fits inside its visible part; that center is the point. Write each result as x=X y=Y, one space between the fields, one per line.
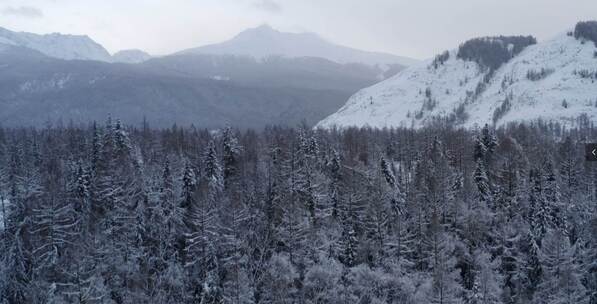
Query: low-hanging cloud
x=23 y=11
x=269 y=6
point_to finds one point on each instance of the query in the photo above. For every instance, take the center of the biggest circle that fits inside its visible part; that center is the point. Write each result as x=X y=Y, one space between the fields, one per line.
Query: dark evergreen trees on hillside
x=492 y=52
x=586 y=30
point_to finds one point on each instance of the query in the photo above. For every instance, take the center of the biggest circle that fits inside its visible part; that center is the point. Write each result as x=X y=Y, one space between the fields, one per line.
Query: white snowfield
x=560 y=95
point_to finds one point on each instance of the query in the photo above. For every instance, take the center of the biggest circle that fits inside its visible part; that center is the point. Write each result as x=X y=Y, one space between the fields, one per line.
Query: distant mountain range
x=260 y=42
x=46 y=78
x=490 y=80
x=69 y=47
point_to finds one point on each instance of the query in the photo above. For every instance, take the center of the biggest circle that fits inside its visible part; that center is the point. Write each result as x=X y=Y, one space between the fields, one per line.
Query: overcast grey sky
x=415 y=28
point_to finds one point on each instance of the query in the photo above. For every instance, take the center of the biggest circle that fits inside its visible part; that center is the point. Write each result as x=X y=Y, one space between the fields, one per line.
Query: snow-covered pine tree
x=95 y=147
x=511 y=259
x=16 y=262
x=211 y=287
x=480 y=150
x=280 y=280
x=79 y=190
x=303 y=174
x=26 y=191
x=189 y=182
x=561 y=283
x=442 y=265
x=533 y=270
x=434 y=196
x=202 y=227
x=569 y=169
x=552 y=196
x=378 y=216
x=185 y=207
x=487 y=287
x=230 y=156
x=348 y=244
x=54 y=222
x=539 y=212
x=401 y=239
x=276 y=187
x=171 y=215
x=334 y=170
x=292 y=232
x=352 y=224
x=118 y=200
x=83 y=282
x=212 y=178
x=489 y=141
x=482 y=183
x=234 y=244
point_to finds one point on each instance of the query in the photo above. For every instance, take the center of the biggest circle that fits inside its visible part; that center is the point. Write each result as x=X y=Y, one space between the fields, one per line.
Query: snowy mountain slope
x=264 y=41
x=130 y=56
x=561 y=95
x=56 y=45
x=554 y=80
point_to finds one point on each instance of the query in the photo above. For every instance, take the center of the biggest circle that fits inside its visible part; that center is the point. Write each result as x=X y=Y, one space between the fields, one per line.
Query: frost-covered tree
x=334 y=171
x=487 y=286
x=561 y=281
x=279 y=280
x=482 y=182
x=212 y=178
x=230 y=158
x=539 y=210
x=441 y=260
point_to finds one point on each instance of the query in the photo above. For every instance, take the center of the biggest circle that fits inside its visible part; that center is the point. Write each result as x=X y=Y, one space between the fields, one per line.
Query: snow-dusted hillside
x=131 y=56
x=265 y=41
x=555 y=80
x=55 y=45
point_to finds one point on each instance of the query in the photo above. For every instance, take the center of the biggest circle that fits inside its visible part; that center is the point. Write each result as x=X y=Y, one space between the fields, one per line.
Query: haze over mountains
x=43 y=83
x=494 y=80
x=263 y=76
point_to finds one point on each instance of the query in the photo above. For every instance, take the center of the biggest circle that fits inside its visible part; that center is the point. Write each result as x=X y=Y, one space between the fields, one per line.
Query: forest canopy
x=115 y=214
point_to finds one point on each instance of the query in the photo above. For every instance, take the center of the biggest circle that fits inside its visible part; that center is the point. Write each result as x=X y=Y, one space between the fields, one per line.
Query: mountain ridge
x=62 y=46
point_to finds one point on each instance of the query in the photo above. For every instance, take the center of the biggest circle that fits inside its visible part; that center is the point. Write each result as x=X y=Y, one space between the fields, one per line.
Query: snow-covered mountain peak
x=554 y=80
x=264 y=41
x=131 y=56
x=267 y=33
x=69 y=47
